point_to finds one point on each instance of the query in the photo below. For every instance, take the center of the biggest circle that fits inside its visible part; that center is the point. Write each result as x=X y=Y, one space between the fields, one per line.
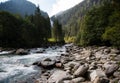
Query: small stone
x=58 y=65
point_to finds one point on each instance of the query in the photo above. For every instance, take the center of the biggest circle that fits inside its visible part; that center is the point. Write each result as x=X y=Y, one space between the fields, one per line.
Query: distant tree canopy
x=15 y=31
x=57 y=31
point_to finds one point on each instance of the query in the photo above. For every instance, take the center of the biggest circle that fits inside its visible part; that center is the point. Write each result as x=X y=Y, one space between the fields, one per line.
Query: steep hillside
x=21 y=7
x=71 y=18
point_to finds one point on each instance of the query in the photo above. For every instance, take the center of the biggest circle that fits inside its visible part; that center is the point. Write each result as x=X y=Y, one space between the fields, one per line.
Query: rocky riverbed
x=82 y=65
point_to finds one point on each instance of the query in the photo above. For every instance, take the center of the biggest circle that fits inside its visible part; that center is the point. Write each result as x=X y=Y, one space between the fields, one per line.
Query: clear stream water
x=13 y=70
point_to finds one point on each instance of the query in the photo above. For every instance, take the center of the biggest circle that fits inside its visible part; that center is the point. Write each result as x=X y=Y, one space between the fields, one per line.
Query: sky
x=53 y=7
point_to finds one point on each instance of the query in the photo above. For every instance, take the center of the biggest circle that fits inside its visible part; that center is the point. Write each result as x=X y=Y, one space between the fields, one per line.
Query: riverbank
x=82 y=65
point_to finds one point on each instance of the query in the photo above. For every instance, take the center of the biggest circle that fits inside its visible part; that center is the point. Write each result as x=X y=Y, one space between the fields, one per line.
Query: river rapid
x=18 y=69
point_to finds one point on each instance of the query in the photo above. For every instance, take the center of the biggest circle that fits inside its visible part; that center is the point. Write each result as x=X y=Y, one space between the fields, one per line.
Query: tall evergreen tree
x=57 y=31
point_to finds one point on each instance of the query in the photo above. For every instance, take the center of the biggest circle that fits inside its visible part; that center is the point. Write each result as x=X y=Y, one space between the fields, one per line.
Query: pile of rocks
x=82 y=65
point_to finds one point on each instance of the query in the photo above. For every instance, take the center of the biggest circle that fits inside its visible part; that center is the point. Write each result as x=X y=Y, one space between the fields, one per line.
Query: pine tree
x=57 y=31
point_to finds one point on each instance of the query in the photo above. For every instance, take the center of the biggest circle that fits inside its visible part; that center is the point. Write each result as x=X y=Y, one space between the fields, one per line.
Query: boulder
x=78 y=80
x=72 y=65
x=96 y=73
x=59 y=76
x=21 y=52
x=38 y=63
x=111 y=69
x=48 y=63
x=81 y=70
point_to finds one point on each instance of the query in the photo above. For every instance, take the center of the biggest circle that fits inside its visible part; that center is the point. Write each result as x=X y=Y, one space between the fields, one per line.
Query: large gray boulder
x=81 y=70
x=98 y=76
x=58 y=77
x=111 y=69
x=97 y=73
x=21 y=52
x=47 y=63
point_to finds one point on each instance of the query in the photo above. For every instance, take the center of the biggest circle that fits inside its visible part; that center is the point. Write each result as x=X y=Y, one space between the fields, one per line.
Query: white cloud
x=62 y=5
x=3 y=0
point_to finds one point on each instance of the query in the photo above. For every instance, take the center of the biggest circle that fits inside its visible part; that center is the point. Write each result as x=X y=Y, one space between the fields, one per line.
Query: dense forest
x=16 y=31
x=101 y=25
x=29 y=30
x=71 y=19
x=92 y=22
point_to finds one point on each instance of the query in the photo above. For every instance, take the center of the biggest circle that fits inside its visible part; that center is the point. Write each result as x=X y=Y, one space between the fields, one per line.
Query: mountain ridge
x=22 y=7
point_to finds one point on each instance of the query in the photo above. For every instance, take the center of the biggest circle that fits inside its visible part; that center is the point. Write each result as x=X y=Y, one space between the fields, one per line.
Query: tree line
x=101 y=26
x=30 y=31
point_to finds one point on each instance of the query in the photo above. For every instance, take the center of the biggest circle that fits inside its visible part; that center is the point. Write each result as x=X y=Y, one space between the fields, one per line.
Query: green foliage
x=112 y=32
x=15 y=31
x=72 y=18
x=96 y=21
x=70 y=39
x=101 y=26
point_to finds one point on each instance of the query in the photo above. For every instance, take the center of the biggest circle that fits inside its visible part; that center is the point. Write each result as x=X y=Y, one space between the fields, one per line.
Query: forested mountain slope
x=71 y=18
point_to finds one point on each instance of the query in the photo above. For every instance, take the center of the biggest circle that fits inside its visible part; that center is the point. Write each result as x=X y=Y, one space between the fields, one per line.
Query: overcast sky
x=54 y=6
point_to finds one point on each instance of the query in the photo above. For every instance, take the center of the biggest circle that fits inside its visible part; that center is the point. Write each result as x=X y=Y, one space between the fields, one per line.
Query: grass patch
x=69 y=39
x=51 y=40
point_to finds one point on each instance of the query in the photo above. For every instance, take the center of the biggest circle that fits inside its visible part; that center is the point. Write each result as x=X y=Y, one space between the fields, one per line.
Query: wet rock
x=35 y=63
x=78 y=80
x=21 y=52
x=58 y=77
x=48 y=63
x=26 y=65
x=81 y=70
x=38 y=63
x=40 y=51
x=97 y=73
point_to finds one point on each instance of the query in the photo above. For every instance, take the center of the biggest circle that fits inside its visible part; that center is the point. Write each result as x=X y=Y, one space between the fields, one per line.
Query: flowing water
x=13 y=69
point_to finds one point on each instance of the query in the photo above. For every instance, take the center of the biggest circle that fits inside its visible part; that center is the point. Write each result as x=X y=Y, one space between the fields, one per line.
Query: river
x=13 y=69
